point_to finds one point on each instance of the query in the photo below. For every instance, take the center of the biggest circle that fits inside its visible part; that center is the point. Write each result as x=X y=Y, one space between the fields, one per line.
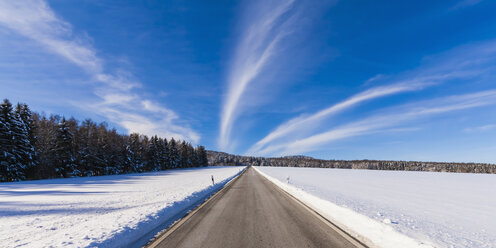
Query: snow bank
x=106 y=211
x=399 y=208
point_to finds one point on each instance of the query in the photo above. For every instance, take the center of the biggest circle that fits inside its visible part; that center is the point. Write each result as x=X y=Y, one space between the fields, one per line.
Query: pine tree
x=152 y=163
x=184 y=152
x=202 y=156
x=116 y=149
x=64 y=158
x=174 y=156
x=127 y=163
x=24 y=138
x=9 y=170
x=195 y=161
x=164 y=148
x=87 y=159
x=135 y=153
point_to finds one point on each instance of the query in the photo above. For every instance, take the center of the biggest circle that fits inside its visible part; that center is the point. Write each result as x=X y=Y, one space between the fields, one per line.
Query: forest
x=34 y=146
x=221 y=158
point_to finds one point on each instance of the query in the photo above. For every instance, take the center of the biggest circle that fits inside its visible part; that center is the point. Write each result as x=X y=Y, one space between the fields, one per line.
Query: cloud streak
x=380 y=122
x=256 y=49
x=465 y=3
x=483 y=128
x=299 y=123
x=35 y=19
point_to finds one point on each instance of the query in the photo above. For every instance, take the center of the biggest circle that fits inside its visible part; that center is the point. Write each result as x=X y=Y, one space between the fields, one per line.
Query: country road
x=253 y=212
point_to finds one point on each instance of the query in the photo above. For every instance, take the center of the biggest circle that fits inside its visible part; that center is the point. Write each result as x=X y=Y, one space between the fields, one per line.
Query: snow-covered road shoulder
x=106 y=211
x=367 y=230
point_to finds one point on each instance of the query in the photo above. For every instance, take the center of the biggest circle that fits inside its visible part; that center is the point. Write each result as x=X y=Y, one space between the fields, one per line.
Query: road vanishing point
x=253 y=212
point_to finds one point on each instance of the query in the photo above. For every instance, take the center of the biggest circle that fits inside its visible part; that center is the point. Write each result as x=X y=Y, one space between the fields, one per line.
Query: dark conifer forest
x=34 y=146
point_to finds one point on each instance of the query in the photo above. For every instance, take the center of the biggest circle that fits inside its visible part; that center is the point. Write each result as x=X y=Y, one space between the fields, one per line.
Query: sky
x=335 y=79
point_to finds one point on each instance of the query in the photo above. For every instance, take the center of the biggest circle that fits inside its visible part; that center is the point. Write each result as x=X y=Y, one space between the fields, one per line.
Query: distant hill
x=222 y=158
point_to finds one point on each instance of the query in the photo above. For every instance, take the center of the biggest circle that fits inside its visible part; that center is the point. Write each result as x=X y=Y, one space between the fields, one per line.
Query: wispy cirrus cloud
x=119 y=102
x=465 y=3
x=269 y=23
x=298 y=123
x=482 y=128
x=385 y=121
x=465 y=62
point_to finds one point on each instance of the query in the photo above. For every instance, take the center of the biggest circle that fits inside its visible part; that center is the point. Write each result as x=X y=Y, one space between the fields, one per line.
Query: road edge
x=162 y=235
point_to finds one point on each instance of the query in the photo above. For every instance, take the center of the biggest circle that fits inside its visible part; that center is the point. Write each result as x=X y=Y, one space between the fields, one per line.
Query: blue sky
x=409 y=80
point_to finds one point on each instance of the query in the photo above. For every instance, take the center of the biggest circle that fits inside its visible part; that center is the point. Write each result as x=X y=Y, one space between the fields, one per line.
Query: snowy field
x=106 y=211
x=388 y=208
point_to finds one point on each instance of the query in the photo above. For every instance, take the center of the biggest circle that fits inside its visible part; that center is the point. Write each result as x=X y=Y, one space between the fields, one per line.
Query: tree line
x=221 y=158
x=33 y=146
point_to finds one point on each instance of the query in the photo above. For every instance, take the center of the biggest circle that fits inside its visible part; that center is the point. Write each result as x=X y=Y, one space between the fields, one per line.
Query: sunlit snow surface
x=444 y=209
x=106 y=211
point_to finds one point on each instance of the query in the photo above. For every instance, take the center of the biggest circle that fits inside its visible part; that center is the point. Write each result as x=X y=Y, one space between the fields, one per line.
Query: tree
x=202 y=156
x=135 y=151
x=184 y=155
x=152 y=155
x=10 y=169
x=25 y=139
x=174 y=156
x=164 y=153
x=45 y=132
x=65 y=165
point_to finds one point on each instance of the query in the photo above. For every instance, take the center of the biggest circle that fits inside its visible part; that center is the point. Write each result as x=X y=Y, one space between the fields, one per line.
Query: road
x=253 y=212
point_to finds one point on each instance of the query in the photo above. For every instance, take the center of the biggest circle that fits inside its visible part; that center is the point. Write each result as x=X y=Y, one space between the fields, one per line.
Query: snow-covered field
x=388 y=208
x=106 y=211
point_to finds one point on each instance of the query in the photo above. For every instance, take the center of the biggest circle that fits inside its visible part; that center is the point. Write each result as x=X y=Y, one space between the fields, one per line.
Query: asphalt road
x=253 y=212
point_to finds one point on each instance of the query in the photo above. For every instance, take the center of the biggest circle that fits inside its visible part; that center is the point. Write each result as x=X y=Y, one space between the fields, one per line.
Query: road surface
x=253 y=212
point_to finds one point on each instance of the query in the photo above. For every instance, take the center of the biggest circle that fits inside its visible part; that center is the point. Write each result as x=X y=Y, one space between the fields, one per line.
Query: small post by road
x=287 y=179
x=213 y=182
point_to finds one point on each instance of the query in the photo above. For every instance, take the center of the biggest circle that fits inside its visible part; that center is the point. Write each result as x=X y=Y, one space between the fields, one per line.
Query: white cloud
x=116 y=98
x=299 y=123
x=255 y=51
x=465 y=3
x=36 y=20
x=481 y=128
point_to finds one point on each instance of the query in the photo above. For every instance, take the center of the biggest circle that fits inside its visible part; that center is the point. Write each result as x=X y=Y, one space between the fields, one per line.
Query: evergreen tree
x=64 y=158
x=117 y=147
x=135 y=153
x=9 y=164
x=127 y=163
x=26 y=139
x=23 y=150
x=202 y=156
x=164 y=154
x=193 y=156
x=184 y=154
x=100 y=150
x=152 y=156
x=174 y=156
x=87 y=154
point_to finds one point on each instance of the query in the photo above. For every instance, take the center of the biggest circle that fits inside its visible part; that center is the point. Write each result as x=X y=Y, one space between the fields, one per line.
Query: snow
x=106 y=211
x=398 y=208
